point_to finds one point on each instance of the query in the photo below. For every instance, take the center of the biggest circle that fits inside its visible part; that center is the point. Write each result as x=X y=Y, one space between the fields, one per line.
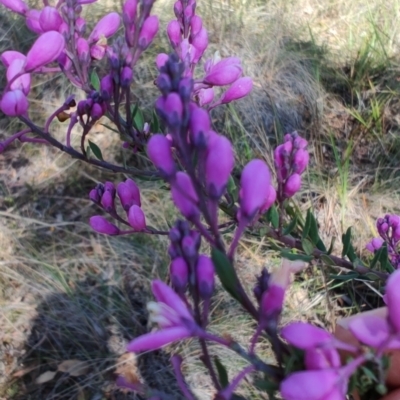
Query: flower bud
x=17 y=6
x=32 y=21
x=9 y=56
x=163 y=83
x=270 y=200
x=101 y=225
x=96 y=112
x=148 y=31
x=292 y=185
x=205 y=277
x=196 y=24
x=107 y=201
x=129 y=11
x=224 y=72
x=107 y=87
x=98 y=51
x=109 y=186
x=50 y=19
x=179 y=271
x=178 y=9
x=171 y=109
x=82 y=47
x=393 y=221
x=129 y=194
x=136 y=218
x=200 y=43
x=14 y=103
x=300 y=143
x=126 y=77
x=240 y=88
x=200 y=125
x=374 y=244
x=161 y=60
x=94 y=196
x=24 y=81
x=106 y=27
x=300 y=160
x=80 y=25
x=174 y=33
x=185 y=89
x=159 y=152
x=393 y=299
x=184 y=196
x=219 y=164
x=205 y=96
x=45 y=50
x=255 y=185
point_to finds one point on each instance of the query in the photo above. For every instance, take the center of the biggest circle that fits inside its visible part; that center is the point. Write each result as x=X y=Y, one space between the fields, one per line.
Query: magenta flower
x=23 y=82
x=83 y=50
x=205 y=96
x=107 y=201
x=9 y=56
x=255 y=183
x=174 y=33
x=17 y=6
x=161 y=59
x=184 y=196
x=321 y=358
x=50 y=19
x=196 y=24
x=199 y=43
x=224 y=72
x=129 y=11
x=219 y=164
x=14 y=103
x=136 y=218
x=240 y=88
x=148 y=31
x=32 y=21
x=106 y=27
x=129 y=194
x=200 y=125
x=300 y=161
x=170 y=108
x=179 y=272
x=171 y=315
x=292 y=185
x=393 y=300
x=101 y=225
x=160 y=153
x=45 y=50
x=205 y=276
x=270 y=200
x=374 y=244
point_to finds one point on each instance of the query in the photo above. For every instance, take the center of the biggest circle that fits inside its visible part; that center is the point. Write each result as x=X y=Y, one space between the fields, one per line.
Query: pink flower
x=185 y=196
x=136 y=218
x=171 y=315
x=205 y=96
x=17 y=6
x=106 y=27
x=14 y=103
x=321 y=358
x=23 y=82
x=300 y=160
x=32 y=21
x=224 y=72
x=255 y=183
x=101 y=225
x=50 y=19
x=292 y=185
x=374 y=244
x=9 y=56
x=148 y=32
x=45 y=50
x=160 y=153
x=240 y=88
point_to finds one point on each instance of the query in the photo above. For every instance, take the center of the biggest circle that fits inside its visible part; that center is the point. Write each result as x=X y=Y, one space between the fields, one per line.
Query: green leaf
x=155 y=123
x=95 y=150
x=138 y=118
x=273 y=216
x=346 y=238
x=295 y=256
x=307 y=225
x=222 y=373
x=95 y=80
x=232 y=189
x=327 y=260
x=289 y=228
x=345 y=277
x=332 y=245
x=308 y=247
x=313 y=232
x=321 y=246
x=225 y=271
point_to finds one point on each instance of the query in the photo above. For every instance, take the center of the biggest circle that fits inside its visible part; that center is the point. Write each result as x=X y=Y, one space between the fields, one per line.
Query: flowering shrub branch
x=198 y=165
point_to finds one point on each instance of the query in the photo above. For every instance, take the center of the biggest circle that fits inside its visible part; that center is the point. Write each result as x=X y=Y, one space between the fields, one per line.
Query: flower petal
x=305 y=336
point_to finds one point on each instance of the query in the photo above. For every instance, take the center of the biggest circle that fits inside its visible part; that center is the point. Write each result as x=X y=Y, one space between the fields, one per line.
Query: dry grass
x=67 y=293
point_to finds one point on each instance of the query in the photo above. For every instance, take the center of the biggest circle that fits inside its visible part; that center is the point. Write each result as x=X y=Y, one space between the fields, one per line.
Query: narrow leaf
x=273 y=216
x=155 y=123
x=96 y=150
x=95 y=80
x=308 y=247
x=295 y=256
x=289 y=228
x=222 y=373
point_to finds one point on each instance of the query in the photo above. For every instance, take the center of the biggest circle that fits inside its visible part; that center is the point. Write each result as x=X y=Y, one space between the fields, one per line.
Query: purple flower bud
x=292 y=185
x=45 y=50
x=148 y=32
x=240 y=88
x=224 y=72
x=255 y=186
x=50 y=19
x=129 y=194
x=396 y=234
x=179 y=271
x=161 y=59
x=97 y=51
x=205 y=96
x=184 y=196
x=300 y=161
x=163 y=83
x=159 y=152
x=107 y=87
x=205 y=277
x=200 y=43
x=17 y=6
x=136 y=218
x=189 y=248
x=107 y=201
x=126 y=77
x=24 y=81
x=300 y=143
x=196 y=24
x=96 y=112
x=171 y=108
x=394 y=221
x=106 y=27
x=32 y=21
x=393 y=300
x=374 y=244
x=82 y=47
x=200 y=125
x=178 y=9
x=80 y=25
x=9 y=56
x=101 y=225
x=94 y=196
x=321 y=358
x=129 y=11
x=174 y=235
x=14 y=103
x=270 y=200
x=174 y=33
x=219 y=164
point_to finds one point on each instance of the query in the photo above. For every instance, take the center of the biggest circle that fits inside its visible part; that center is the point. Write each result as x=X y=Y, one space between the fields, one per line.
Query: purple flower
x=174 y=33
x=45 y=50
x=205 y=96
x=205 y=276
x=224 y=72
x=240 y=88
x=200 y=125
x=393 y=300
x=129 y=194
x=255 y=183
x=321 y=358
x=101 y=225
x=374 y=244
x=32 y=21
x=292 y=185
x=159 y=152
x=50 y=19
x=17 y=6
x=171 y=109
x=9 y=56
x=129 y=11
x=199 y=43
x=179 y=271
x=136 y=218
x=171 y=315
x=184 y=196
x=300 y=160
x=23 y=82
x=106 y=27
x=82 y=47
x=148 y=32
x=14 y=103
